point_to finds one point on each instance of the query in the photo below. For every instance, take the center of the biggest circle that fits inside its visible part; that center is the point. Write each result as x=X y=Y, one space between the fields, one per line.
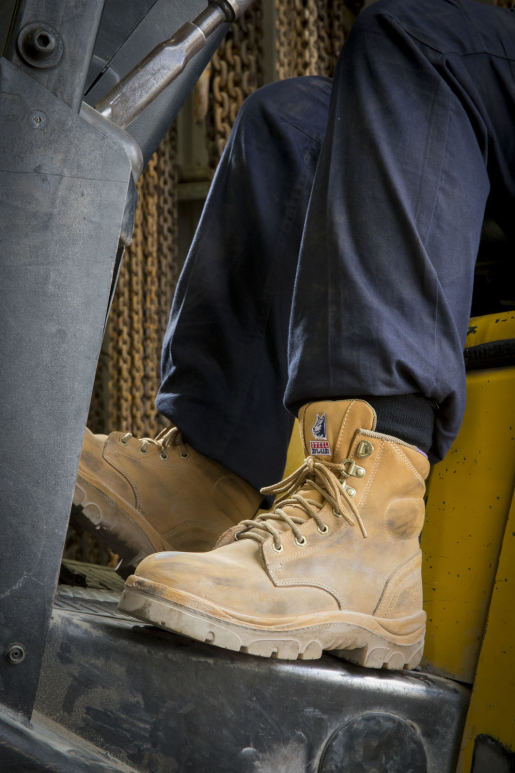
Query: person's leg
x=421 y=117
x=225 y=352
x=421 y=120
x=224 y=364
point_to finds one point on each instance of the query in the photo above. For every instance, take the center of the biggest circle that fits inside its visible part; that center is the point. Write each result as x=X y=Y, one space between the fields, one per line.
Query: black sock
x=407 y=417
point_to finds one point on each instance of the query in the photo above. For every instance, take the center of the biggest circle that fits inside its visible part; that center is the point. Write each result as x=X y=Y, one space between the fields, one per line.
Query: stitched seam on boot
x=408 y=463
x=343 y=427
x=372 y=475
x=391 y=438
x=301 y=582
x=400 y=569
x=129 y=477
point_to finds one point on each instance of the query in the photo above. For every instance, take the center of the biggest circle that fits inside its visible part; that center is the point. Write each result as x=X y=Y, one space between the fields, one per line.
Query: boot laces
x=170 y=436
x=328 y=478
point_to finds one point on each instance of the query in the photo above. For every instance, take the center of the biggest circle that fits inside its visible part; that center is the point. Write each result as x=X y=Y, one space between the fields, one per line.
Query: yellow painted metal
x=492 y=707
x=491 y=327
x=469 y=497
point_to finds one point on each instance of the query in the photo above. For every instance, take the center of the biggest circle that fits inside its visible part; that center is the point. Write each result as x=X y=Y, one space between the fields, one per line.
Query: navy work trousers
x=335 y=254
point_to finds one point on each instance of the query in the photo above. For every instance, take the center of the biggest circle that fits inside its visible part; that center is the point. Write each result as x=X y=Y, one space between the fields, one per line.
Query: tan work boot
x=336 y=566
x=145 y=496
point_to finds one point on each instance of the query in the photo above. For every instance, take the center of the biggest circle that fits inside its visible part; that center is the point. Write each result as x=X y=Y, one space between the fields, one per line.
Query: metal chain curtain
x=310 y=34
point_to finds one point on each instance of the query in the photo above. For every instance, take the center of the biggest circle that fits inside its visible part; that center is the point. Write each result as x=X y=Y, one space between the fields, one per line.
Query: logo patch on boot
x=320 y=446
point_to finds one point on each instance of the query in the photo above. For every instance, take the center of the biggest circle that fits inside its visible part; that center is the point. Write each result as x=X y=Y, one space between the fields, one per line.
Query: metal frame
x=67 y=203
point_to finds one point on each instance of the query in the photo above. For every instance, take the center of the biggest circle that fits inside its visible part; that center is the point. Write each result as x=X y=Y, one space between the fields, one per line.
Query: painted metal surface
x=492 y=707
x=162 y=703
x=63 y=188
x=468 y=502
x=469 y=496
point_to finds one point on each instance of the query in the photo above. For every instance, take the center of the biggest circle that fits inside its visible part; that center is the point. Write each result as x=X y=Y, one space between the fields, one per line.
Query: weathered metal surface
x=68 y=29
x=41 y=746
x=164 y=703
x=63 y=188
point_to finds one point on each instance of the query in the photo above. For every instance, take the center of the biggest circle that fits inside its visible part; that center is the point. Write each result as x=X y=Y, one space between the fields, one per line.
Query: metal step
x=162 y=703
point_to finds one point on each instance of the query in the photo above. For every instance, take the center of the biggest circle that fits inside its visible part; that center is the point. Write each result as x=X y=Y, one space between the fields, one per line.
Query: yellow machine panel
x=492 y=708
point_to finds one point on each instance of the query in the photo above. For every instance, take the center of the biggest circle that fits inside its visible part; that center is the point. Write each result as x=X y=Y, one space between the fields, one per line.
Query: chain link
x=310 y=34
x=236 y=71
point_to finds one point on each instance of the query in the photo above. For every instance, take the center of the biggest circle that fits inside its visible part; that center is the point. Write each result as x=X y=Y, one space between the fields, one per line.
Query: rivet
x=350 y=491
x=364 y=449
x=359 y=472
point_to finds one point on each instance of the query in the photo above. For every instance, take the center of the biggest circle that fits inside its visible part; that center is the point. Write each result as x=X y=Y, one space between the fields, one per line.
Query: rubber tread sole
x=346 y=640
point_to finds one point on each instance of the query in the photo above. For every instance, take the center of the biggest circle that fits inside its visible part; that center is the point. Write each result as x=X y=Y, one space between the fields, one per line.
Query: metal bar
x=140 y=87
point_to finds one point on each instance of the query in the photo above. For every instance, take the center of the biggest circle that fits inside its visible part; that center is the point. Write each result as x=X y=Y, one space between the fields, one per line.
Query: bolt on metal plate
x=40 y=45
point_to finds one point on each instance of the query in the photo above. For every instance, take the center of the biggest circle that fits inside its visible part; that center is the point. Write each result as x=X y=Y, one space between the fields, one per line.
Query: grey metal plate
x=165 y=703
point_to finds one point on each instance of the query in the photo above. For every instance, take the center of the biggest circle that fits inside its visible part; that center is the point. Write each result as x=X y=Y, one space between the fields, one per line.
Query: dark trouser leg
x=421 y=122
x=224 y=362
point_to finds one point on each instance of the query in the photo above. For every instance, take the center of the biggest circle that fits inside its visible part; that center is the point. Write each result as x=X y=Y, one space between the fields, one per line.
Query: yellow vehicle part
x=492 y=707
x=469 y=496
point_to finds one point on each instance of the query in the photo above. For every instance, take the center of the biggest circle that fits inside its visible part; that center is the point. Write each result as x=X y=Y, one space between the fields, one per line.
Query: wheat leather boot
x=336 y=566
x=144 y=496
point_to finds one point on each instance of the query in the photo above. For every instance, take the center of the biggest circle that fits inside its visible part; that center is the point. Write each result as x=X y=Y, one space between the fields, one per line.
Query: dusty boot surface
x=336 y=566
x=144 y=496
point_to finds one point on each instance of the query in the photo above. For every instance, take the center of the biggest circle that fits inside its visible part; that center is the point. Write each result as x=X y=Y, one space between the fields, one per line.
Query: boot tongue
x=327 y=428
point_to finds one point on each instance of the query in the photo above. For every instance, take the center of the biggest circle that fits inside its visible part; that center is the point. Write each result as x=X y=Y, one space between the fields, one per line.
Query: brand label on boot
x=320 y=448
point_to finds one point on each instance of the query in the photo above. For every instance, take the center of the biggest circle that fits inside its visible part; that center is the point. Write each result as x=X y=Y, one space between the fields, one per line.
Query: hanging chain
x=310 y=34
x=236 y=71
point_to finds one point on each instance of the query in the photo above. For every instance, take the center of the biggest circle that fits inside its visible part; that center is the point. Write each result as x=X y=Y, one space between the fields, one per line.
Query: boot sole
x=98 y=514
x=362 y=639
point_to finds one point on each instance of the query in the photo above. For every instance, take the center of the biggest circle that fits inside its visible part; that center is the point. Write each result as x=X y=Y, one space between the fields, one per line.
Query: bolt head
x=40 y=45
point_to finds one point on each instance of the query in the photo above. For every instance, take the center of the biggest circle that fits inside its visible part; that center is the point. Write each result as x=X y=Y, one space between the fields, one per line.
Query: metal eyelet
x=163 y=456
x=350 y=491
x=359 y=472
x=336 y=514
x=325 y=530
x=184 y=456
x=301 y=543
x=277 y=550
x=143 y=451
x=124 y=442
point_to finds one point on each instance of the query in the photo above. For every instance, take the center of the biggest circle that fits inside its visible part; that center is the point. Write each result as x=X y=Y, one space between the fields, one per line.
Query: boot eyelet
x=325 y=530
x=359 y=472
x=301 y=543
x=337 y=514
x=184 y=456
x=124 y=442
x=350 y=491
x=277 y=550
x=143 y=450
x=163 y=456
